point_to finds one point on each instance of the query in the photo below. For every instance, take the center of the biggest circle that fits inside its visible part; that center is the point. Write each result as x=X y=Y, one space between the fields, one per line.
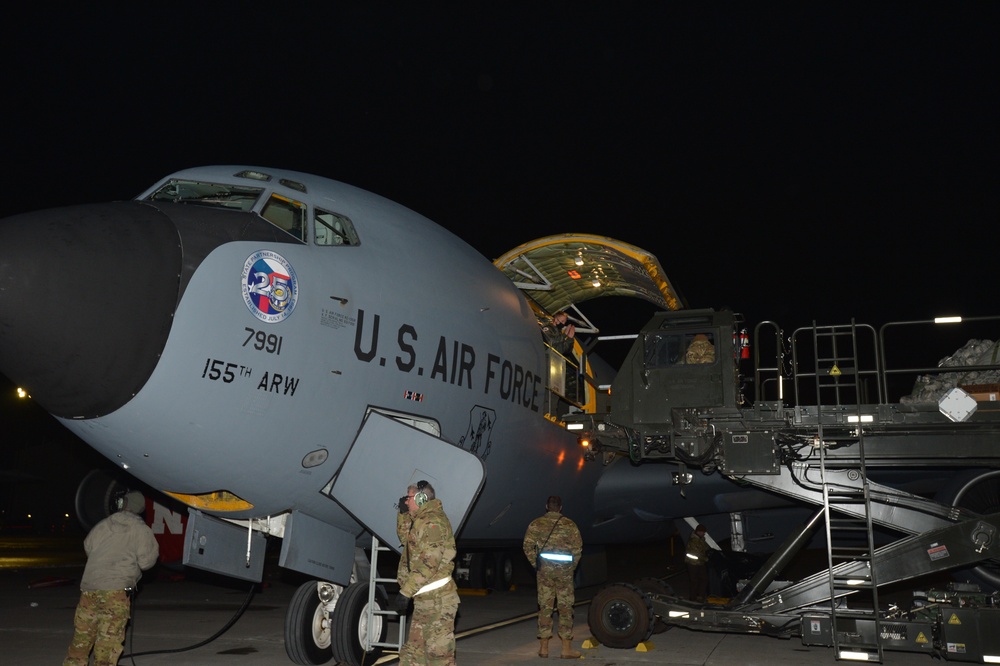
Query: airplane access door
x=386 y=457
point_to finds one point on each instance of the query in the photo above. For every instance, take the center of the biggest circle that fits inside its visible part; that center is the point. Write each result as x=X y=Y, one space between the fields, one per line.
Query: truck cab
x=681 y=363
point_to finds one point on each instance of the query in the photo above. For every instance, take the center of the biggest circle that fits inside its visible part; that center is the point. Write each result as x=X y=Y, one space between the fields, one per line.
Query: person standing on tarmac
x=424 y=575
x=696 y=558
x=119 y=549
x=553 y=545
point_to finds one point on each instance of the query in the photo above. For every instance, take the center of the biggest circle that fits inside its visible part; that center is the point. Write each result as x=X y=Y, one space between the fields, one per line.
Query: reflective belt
x=557 y=557
x=433 y=586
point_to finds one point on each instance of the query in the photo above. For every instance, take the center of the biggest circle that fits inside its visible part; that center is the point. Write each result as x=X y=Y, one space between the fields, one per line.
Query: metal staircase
x=381 y=614
x=849 y=538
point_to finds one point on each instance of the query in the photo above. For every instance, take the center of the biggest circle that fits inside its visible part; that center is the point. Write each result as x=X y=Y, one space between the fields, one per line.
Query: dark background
x=793 y=161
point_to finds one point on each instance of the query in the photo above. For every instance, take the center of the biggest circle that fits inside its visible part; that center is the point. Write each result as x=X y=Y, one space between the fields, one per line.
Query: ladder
x=848 y=538
x=381 y=614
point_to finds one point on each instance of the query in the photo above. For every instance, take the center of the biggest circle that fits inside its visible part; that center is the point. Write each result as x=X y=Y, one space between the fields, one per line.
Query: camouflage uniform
x=119 y=549
x=99 y=623
x=559 y=334
x=428 y=557
x=700 y=351
x=696 y=557
x=403 y=523
x=555 y=579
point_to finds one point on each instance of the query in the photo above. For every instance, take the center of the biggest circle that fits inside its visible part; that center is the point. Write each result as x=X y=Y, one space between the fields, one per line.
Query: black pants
x=699 y=582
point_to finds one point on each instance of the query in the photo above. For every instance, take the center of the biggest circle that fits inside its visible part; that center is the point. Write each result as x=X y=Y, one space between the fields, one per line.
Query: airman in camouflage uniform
x=553 y=545
x=696 y=557
x=424 y=575
x=119 y=549
x=559 y=333
x=701 y=350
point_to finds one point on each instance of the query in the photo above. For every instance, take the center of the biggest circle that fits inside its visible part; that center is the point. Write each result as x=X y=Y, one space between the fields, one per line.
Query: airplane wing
x=563 y=270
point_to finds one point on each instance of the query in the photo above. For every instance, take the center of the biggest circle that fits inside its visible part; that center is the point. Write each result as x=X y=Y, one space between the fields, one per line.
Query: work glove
x=401 y=603
x=402 y=504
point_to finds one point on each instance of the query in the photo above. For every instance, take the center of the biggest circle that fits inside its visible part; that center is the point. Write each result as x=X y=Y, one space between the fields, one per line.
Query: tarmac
x=174 y=611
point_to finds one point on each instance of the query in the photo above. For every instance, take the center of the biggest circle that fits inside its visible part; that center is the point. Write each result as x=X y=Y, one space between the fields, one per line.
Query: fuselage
x=277 y=311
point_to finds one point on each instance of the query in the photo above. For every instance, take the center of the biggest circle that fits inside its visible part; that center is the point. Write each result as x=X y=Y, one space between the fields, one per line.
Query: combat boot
x=568 y=652
x=543 y=647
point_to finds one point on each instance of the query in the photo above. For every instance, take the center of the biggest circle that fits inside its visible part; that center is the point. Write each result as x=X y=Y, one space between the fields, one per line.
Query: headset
x=120 y=498
x=420 y=497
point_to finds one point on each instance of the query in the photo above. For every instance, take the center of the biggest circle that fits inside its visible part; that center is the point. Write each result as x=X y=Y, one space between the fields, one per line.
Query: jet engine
x=97 y=495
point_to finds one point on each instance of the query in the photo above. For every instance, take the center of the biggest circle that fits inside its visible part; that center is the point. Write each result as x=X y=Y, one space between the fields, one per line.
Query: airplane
x=283 y=354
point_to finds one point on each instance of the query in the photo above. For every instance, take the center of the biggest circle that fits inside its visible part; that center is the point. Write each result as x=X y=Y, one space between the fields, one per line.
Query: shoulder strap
x=550 y=533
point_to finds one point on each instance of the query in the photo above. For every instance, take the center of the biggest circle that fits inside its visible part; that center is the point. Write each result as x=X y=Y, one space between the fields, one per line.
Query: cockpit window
x=286 y=213
x=233 y=197
x=333 y=229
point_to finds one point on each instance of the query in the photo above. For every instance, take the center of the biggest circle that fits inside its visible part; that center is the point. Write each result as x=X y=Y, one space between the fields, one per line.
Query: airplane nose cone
x=87 y=296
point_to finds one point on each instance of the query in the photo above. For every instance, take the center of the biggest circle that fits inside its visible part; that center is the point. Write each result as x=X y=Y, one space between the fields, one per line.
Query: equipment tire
x=307 y=640
x=349 y=625
x=621 y=616
x=656 y=586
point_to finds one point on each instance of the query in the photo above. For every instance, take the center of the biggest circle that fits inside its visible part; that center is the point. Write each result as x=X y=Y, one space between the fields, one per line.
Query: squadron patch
x=479 y=434
x=270 y=288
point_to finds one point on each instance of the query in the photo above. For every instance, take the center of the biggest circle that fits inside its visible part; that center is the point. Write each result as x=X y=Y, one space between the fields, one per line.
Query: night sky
x=793 y=162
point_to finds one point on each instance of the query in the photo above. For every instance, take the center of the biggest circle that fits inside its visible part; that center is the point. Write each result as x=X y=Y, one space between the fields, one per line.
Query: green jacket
x=428 y=551
x=697 y=550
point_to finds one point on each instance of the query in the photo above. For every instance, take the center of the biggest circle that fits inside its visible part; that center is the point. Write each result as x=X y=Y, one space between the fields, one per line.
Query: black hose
x=227 y=627
x=131 y=614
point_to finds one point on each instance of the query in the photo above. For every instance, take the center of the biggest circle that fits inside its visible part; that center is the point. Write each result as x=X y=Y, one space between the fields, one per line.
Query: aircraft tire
x=349 y=625
x=656 y=586
x=504 y=571
x=307 y=637
x=621 y=616
x=482 y=571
